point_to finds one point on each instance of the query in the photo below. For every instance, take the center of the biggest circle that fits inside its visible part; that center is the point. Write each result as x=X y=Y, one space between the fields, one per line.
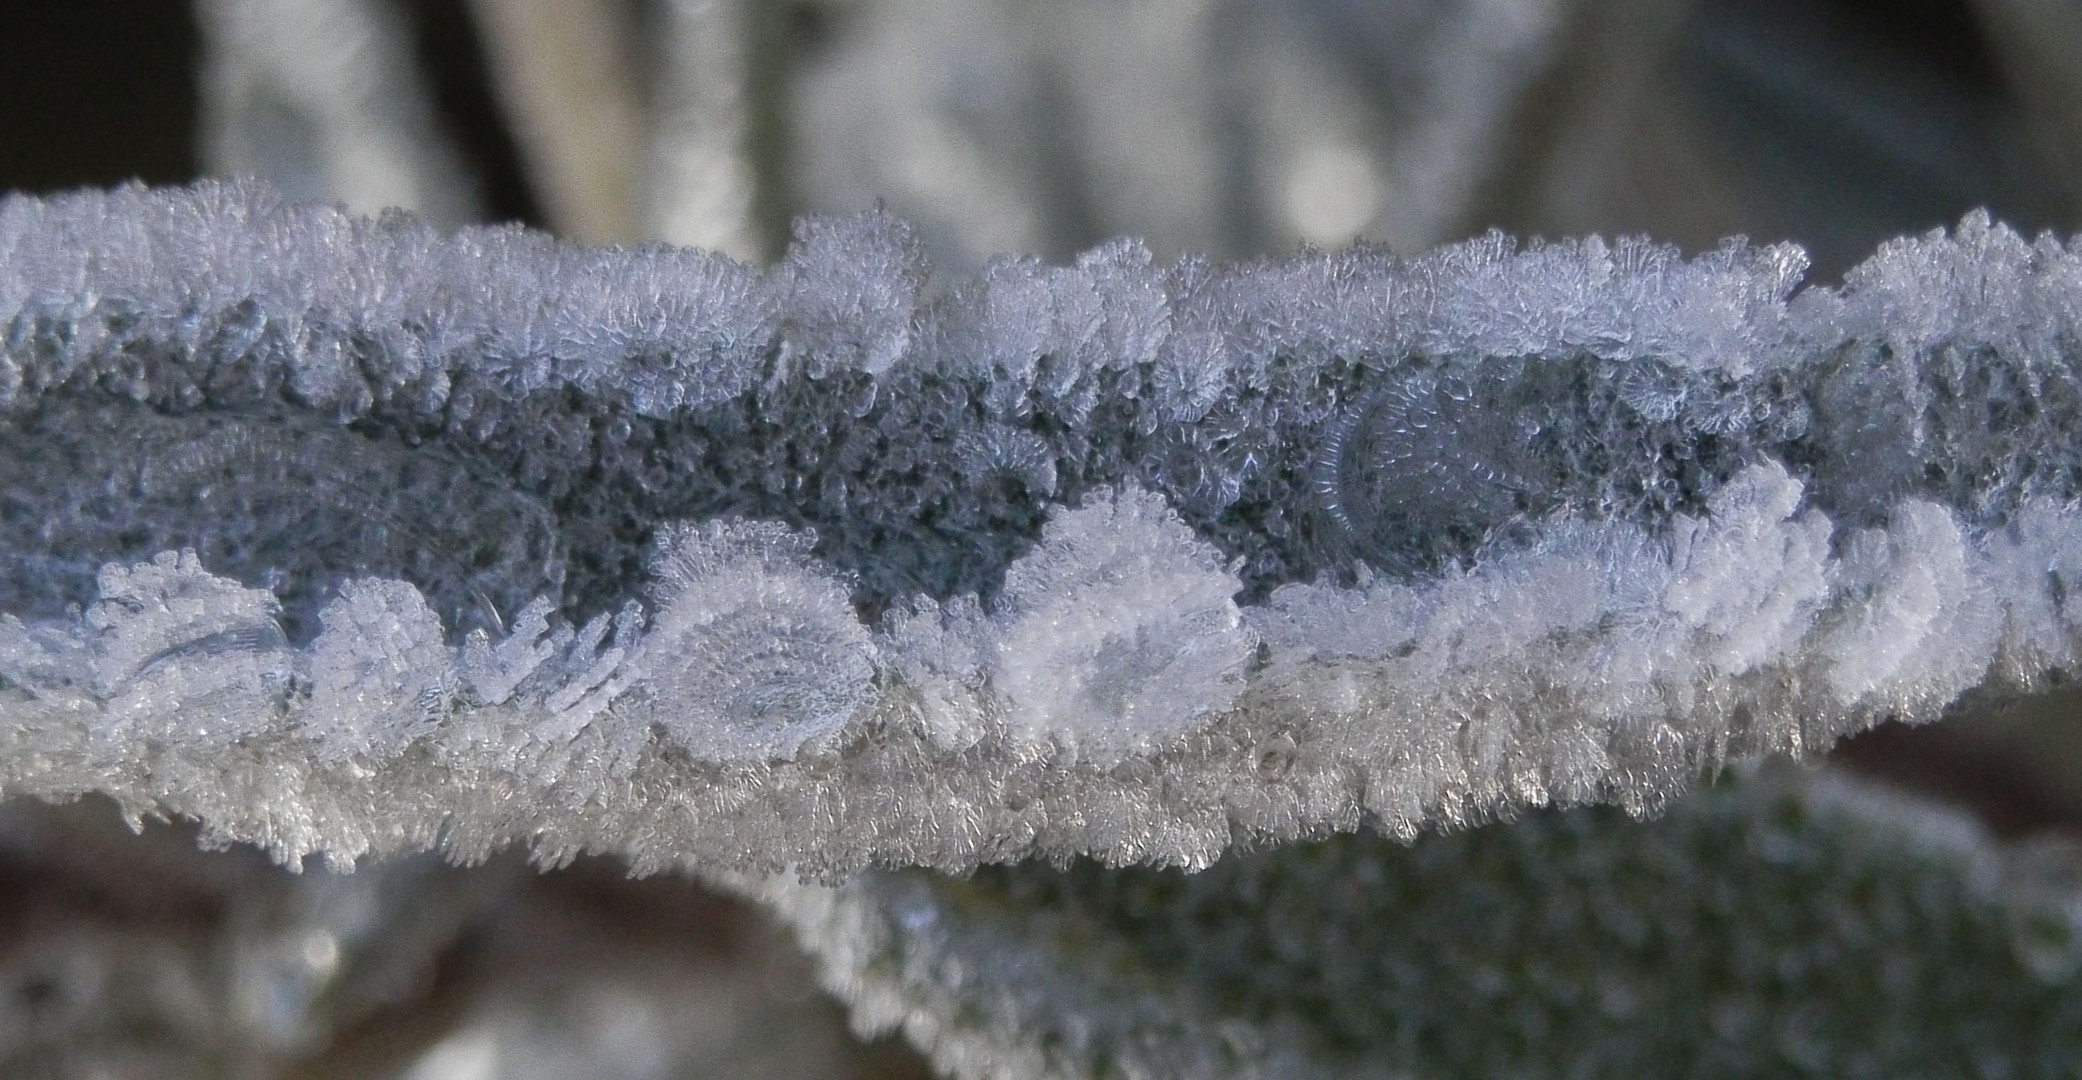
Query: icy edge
x=1117 y=704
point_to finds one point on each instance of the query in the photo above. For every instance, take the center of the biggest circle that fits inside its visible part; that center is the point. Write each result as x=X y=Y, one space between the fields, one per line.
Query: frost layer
x=348 y=536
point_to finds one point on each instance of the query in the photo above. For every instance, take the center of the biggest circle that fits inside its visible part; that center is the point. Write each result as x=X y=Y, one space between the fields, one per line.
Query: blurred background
x=1241 y=128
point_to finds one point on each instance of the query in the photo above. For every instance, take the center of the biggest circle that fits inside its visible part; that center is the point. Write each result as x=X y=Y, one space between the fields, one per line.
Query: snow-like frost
x=1118 y=631
x=1751 y=577
x=494 y=672
x=180 y=655
x=937 y=650
x=753 y=651
x=380 y=655
x=816 y=566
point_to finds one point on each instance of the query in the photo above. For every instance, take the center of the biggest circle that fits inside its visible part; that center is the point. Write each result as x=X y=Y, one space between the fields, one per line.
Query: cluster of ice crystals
x=1118 y=631
x=180 y=655
x=591 y=674
x=494 y=672
x=380 y=655
x=937 y=650
x=753 y=651
x=851 y=287
x=1917 y=623
x=1751 y=577
x=817 y=566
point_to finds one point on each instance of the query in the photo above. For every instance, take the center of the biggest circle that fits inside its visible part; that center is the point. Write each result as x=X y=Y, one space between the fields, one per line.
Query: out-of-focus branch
x=703 y=187
x=320 y=97
x=566 y=74
x=1591 y=145
x=2038 y=43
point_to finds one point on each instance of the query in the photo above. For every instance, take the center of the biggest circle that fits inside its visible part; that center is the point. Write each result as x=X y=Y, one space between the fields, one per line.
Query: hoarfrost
x=1118 y=631
x=937 y=650
x=494 y=672
x=380 y=655
x=183 y=656
x=593 y=674
x=813 y=567
x=1752 y=576
x=1917 y=623
x=753 y=652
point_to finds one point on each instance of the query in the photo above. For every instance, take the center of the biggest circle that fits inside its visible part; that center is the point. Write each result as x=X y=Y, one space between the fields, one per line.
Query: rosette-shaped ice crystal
x=1119 y=631
x=752 y=652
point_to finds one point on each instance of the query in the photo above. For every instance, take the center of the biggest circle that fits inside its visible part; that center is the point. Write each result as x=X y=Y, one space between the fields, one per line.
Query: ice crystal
x=180 y=655
x=753 y=651
x=1118 y=631
x=380 y=654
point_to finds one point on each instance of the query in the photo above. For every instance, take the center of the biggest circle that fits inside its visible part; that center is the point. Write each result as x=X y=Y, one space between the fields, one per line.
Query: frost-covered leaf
x=1156 y=558
x=1777 y=926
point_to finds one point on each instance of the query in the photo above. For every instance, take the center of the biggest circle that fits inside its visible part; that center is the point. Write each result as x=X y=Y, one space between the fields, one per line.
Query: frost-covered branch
x=344 y=536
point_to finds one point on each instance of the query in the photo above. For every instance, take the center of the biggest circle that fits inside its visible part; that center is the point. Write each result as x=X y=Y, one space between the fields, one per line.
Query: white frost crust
x=1118 y=632
x=1117 y=702
x=753 y=652
x=179 y=654
x=380 y=654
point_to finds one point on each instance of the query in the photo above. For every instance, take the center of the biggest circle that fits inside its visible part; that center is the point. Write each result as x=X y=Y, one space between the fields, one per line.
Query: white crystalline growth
x=380 y=655
x=1119 y=631
x=838 y=571
x=493 y=673
x=1921 y=624
x=1751 y=577
x=1630 y=641
x=182 y=655
x=753 y=652
x=937 y=650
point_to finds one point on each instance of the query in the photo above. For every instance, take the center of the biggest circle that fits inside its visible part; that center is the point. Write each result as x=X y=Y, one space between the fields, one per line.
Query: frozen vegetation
x=1282 y=656
x=1786 y=925
x=346 y=536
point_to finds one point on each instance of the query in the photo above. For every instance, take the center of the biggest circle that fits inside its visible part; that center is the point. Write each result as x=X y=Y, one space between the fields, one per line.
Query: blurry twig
x=566 y=74
x=2038 y=44
x=703 y=187
x=321 y=97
